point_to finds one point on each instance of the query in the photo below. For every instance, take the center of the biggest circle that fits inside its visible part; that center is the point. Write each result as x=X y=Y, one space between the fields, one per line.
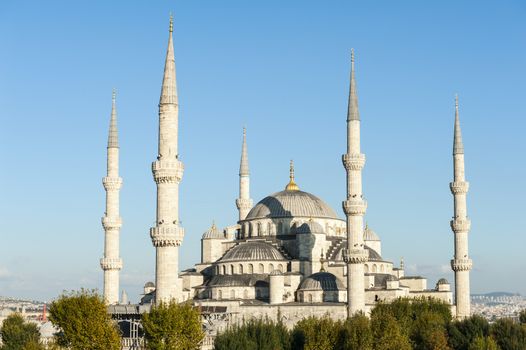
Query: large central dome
x=291 y=204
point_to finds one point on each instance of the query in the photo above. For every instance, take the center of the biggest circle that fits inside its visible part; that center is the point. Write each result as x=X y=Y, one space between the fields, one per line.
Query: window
x=280 y=268
x=366 y=268
x=261 y=268
x=232 y=294
x=309 y=298
x=280 y=228
x=381 y=268
x=375 y=269
x=220 y=295
x=270 y=268
x=250 y=268
x=232 y=270
x=224 y=269
x=240 y=269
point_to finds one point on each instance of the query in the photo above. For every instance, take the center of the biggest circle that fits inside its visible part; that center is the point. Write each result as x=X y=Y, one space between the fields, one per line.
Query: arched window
x=366 y=268
x=270 y=268
x=232 y=294
x=250 y=268
x=259 y=231
x=232 y=270
x=309 y=298
x=280 y=267
x=240 y=269
x=382 y=268
x=217 y=270
x=245 y=294
x=261 y=268
x=219 y=294
x=224 y=269
x=258 y=294
x=246 y=230
x=375 y=268
x=280 y=228
x=269 y=229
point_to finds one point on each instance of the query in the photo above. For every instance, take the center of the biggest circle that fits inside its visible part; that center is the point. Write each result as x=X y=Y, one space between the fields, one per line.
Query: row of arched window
x=376 y=268
x=258 y=229
x=240 y=269
x=233 y=295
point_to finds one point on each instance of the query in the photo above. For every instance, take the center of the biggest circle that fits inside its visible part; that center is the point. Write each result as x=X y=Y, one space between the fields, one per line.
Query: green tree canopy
x=84 y=322
x=387 y=331
x=356 y=333
x=522 y=317
x=462 y=333
x=260 y=334
x=172 y=326
x=509 y=335
x=17 y=334
x=316 y=334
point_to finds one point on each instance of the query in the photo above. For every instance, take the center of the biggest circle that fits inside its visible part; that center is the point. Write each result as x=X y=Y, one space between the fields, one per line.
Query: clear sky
x=281 y=68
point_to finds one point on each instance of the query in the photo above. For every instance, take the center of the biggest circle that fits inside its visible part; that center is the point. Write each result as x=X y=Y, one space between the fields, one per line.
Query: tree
x=84 y=322
x=387 y=332
x=357 y=333
x=260 y=334
x=316 y=334
x=429 y=332
x=18 y=334
x=483 y=343
x=464 y=332
x=172 y=326
x=522 y=317
x=508 y=334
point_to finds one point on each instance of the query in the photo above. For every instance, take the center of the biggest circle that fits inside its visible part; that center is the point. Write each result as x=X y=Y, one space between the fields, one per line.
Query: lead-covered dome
x=324 y=281
x=252 y=251
x=289 y=203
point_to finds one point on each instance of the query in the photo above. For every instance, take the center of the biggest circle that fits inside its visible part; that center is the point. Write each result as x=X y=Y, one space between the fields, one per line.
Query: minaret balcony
x=111 y=263
x=167 y=236
x=111 y=223
x=244 y=203
x=459 y=187
x=460 y=225
x=355 y=256
x=353 y=161
x=355 y=207
x=167 y=171
x=461 y=264
x=112 y=183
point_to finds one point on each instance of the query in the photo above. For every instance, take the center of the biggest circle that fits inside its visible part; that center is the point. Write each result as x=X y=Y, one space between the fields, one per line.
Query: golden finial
x=291 y=186
x=322 y=261
x=171 y=23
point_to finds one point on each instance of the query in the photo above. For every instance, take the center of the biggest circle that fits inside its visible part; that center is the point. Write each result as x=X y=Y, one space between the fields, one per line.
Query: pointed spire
x=243 y=166
x=113 y=136
x=352 y=112
x=322 y=262
x=169 y=88
x=291 y=186
x=458 y=146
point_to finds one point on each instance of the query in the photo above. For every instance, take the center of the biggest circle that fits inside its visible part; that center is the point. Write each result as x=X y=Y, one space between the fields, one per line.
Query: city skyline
x=56 y=178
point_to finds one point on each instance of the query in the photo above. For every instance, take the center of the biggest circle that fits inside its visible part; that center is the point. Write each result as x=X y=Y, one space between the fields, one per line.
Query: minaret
x=355 y=205
x=244 y=203
x=460 y=224
x=167 y=170
x=111 y=263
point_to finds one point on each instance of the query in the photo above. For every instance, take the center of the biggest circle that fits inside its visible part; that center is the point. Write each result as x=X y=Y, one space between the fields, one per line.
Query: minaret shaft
x=111 y=263
x=461 y=264
x=354 y=206
x=167 y=235
x=244 y=203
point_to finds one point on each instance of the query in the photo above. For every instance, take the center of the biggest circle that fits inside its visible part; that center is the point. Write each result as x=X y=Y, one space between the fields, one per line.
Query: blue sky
x=280 y=68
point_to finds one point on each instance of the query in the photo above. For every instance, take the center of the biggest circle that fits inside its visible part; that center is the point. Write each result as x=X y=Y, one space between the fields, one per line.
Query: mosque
x=290 y=254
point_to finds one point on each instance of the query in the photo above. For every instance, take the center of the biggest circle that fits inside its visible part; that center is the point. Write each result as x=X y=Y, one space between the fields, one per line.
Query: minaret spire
x=461 y=264
x=167 y=170
x=354 y=206
x=244 y=203
x=111 y=263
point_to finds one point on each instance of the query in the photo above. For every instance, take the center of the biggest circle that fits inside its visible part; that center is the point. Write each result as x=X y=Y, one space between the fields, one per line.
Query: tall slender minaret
x=167 y=170
x=355 y=205
x=244 y=203
x=111 y=263
x=460 y=224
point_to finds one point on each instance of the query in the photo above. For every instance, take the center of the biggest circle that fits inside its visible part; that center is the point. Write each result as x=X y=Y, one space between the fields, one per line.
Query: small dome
x=370 y=235
x=213 y=232
x=442 y=281
x=149 y=285
x=286 y=204
x=252 y=251
x=324 y=281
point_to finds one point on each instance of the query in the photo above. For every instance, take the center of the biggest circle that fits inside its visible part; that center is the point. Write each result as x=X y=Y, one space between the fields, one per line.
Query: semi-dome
x=252 y=251
x=289 y=203
x=323 y=281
